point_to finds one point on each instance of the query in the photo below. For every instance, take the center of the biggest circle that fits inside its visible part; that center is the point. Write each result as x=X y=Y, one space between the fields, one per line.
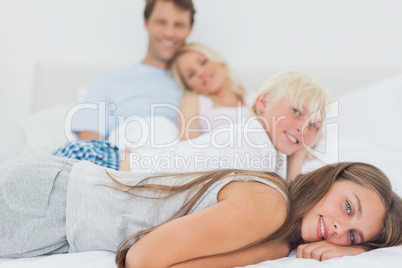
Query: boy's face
x=168 y=27
x=289 y=128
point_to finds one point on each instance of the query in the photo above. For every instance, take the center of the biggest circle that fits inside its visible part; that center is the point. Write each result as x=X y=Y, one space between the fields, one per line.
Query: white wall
x=358 y=33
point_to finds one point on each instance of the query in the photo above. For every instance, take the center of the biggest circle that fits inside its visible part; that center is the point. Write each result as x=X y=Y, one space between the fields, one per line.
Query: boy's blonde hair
x=211 y=55
x=296 y=87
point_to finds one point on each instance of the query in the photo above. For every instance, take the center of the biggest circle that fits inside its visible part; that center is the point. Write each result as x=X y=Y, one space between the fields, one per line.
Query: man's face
x=168 y=27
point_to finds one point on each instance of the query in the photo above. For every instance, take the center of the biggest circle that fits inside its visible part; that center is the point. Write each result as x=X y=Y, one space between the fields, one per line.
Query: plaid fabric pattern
x=101 y=153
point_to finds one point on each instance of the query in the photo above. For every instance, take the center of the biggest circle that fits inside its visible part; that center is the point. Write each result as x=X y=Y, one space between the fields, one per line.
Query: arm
x=270 y=250
x=246 y=212
x=90 y=135
x=90 y=122
x=125 y=161
x=294 y=164
x=315 y=142
x=324 y=251
x=188 y=121
x=296 y=160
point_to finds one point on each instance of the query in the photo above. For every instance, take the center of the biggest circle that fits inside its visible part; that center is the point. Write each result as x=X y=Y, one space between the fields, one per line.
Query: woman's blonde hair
x=211 y=55
x=296 y=87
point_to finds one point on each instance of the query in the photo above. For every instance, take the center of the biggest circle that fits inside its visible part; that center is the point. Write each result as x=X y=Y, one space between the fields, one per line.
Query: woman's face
x=200 y=74
x=348 y=214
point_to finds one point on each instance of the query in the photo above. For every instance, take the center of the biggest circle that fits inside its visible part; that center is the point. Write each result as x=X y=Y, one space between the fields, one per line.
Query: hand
x=301 y=154
x=313 y=144
x=322 y=251
x=316 y=139
x=125 y=161
x=294 y=164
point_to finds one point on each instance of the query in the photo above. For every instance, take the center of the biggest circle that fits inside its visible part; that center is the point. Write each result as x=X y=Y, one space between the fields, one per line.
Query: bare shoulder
x=260 y=200
x=189 y=104
x=251 y=189
x=189 y=98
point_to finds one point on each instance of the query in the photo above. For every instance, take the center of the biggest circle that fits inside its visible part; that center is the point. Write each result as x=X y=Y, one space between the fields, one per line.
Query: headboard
x=58 y=82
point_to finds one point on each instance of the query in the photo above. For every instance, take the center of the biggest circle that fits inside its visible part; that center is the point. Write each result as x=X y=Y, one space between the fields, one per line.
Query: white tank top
x=211 y=117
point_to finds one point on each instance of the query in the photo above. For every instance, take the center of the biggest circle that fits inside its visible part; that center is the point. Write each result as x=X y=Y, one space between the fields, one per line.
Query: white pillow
x=368 y=124
x=82 y=91
x=44 y=130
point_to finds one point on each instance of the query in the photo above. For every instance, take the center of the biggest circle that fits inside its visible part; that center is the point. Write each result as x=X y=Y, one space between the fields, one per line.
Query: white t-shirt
x=240 y=146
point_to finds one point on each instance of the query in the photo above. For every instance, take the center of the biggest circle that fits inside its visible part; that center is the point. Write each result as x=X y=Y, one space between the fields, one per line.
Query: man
x=116 y=95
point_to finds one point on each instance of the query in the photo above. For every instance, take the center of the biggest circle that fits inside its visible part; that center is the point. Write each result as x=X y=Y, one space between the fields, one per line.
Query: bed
x=362 y=124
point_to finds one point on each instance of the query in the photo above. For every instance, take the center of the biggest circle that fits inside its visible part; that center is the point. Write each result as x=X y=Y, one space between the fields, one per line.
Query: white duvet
x=366 y=127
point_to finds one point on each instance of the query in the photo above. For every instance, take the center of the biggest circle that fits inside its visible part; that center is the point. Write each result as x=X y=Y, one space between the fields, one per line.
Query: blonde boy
x=290 y=106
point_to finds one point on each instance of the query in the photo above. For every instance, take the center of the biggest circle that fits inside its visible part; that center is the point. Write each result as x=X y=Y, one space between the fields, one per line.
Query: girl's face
x=289 y=128
x=200 y=74
x=348 y=214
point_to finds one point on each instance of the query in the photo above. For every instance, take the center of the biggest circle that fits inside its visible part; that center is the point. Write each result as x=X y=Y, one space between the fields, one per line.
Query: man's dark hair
x=182 y=4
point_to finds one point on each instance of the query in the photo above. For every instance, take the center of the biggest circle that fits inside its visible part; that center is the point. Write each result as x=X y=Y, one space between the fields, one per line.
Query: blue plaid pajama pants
x=101 y=152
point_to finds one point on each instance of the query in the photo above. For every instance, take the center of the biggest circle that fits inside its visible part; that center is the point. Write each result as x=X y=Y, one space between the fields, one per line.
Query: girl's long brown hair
x=196 y=189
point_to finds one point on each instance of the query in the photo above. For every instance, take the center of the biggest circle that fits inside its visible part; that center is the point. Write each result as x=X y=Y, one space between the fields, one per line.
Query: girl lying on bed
x=288 y=114
x=221 y=218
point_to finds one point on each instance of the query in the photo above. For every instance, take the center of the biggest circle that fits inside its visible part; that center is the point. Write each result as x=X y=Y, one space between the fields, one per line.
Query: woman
x=221 y=218
x=214 y=97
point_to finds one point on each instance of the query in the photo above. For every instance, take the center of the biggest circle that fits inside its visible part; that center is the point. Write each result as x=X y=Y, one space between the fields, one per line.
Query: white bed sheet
x=383 y=257
x=369 y=124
